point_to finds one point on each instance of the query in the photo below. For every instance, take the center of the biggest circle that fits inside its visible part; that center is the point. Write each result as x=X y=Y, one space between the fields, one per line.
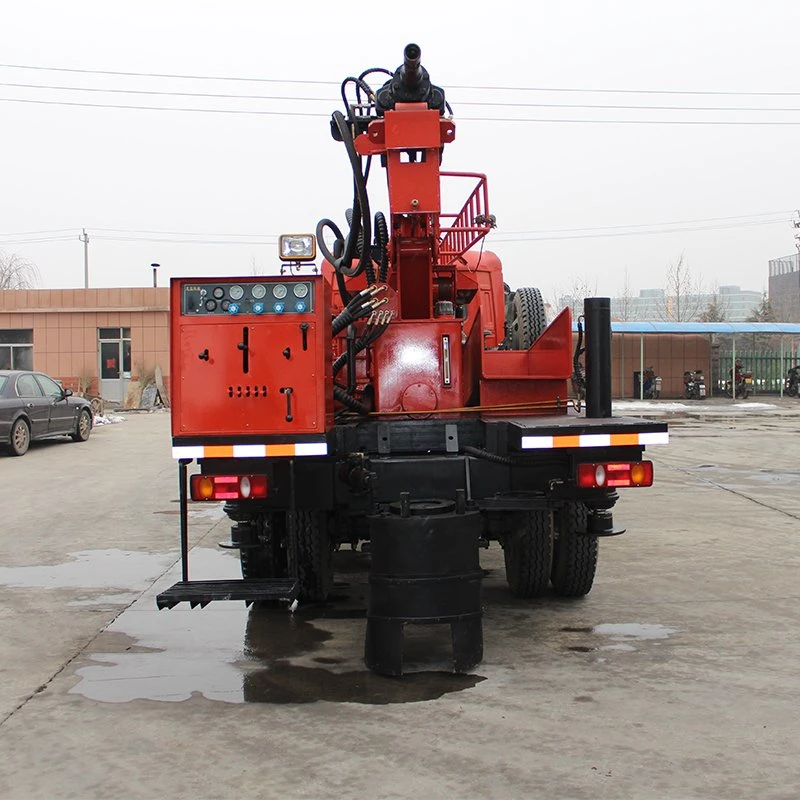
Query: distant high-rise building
x=784 y=287
x=734 y=303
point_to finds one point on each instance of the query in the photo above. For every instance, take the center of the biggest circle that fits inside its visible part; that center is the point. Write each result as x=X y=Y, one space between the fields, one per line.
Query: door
x=62 y=414
x=35 y=405
x=114 y=349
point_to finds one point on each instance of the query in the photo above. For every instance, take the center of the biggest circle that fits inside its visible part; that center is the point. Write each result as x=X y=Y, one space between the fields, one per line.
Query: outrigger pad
x=203 y=592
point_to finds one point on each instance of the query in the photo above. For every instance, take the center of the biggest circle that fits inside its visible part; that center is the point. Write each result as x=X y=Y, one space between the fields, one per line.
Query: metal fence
x=769 y=368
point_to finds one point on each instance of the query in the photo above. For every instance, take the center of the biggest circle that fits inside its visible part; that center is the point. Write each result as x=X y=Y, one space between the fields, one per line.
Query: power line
x=555 y=89
x=271 y=238
x=161 y=93
x=637 y=233
x=181 y=241
x=488 y=103
x=165 y=108
x=187 y=233
x=39 y=233
x=167 y=75
x=254 y=112
x=658 y=224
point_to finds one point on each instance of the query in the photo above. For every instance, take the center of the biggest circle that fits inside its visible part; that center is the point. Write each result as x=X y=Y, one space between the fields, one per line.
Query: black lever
x=244 y=346
x=287 y=390
x=287 y=353
x=204 y=355
x=304 y=330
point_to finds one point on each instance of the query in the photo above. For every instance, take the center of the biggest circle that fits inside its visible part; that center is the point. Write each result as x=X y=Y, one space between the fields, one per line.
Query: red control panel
x=250 y=356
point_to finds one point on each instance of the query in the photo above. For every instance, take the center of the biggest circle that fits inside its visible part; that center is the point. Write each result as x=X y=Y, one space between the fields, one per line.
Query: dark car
x=33 y=406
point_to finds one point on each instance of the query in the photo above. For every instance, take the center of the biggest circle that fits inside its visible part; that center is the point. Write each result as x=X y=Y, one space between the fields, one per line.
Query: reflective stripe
x=250 y=450
x=593 y=440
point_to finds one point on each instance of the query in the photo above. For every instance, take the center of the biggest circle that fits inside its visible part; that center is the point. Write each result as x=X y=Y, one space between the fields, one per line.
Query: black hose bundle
x=578 y=377
x=376 y=325
x=360 y=222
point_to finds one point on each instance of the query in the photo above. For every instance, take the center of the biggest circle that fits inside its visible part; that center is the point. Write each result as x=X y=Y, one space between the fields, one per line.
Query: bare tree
x=683 y=293
x=17 y=272
x=573 y=296
x=716 y=308
x=625 y=306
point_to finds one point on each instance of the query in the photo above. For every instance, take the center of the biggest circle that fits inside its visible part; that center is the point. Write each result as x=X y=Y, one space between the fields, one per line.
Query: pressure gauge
x=258 y=291
x=279 y=290
x=219 y=293
x=300 y=289
x=211 y=305
x=236 y=292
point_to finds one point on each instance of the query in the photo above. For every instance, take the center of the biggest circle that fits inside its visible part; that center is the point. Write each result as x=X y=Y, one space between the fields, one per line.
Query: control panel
x=250 y=357
x=214 y=298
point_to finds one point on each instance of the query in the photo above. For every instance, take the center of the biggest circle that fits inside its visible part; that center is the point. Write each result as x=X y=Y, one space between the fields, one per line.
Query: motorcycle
x=793 y=381
x=651 y=387
x=695 y=384
x=743 y=382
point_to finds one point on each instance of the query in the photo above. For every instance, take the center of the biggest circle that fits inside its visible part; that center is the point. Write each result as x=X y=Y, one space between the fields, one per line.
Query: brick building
x=93 y=340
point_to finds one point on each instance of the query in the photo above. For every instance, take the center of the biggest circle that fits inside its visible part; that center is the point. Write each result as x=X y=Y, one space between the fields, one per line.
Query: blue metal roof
x=788 y=328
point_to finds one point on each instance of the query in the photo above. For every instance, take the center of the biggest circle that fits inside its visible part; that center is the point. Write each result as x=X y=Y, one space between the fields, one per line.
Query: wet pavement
x=675 y=678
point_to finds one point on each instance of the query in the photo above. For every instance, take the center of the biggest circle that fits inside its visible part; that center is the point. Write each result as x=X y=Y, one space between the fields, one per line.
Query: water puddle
x=624 y=634
x=637 y=631
x=232 y=654
x=91 y=569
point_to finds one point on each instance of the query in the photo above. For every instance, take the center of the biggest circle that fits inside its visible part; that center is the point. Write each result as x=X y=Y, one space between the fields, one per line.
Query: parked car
x=34 y=406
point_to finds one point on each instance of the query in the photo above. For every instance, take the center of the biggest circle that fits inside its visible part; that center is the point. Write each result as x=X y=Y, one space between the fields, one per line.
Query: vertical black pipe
x=597 y=313
x=184 y=510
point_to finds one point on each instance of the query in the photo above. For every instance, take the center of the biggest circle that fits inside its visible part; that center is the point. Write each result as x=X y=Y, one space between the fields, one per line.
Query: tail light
x=615 y=474
x=228 y=487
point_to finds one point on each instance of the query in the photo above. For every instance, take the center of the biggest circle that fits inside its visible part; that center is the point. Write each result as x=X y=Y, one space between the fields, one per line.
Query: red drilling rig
x=403 y=401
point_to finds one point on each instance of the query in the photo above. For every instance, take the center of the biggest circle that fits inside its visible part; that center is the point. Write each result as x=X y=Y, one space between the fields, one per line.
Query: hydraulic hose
x=361 y=220
x=348 y=400
x=382 y=246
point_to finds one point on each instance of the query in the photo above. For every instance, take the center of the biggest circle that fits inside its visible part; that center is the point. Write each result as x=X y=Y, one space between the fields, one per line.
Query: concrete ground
x=676 y=678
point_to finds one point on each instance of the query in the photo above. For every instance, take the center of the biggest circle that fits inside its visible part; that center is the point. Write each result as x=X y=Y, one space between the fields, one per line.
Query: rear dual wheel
x=528 y=551
x=273 y=557
x=542 y=549
x=574 y=553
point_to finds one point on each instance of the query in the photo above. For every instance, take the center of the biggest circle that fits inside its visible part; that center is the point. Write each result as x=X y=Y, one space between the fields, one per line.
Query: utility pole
x=84 y=237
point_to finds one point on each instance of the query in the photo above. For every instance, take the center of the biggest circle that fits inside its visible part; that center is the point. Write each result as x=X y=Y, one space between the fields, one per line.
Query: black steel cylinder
x=425 y=569
x=412 y=72
x=597 y=313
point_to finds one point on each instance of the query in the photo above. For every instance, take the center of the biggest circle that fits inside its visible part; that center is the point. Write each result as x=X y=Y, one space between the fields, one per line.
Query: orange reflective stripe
x=218 y=451
x=280 y=450
x=624 y=438
x=566 y=441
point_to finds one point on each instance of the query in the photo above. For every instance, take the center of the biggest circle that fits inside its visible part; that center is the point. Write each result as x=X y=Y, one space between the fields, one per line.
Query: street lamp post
x=155 y=274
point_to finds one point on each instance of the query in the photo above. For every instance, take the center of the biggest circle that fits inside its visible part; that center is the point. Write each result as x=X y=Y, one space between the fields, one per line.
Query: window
x=27 y=387
x=16 y=348
x=51 y=388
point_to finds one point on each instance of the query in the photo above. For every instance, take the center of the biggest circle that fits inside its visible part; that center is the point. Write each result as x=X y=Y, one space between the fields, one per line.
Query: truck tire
x=268 y=559
x=528 y=550
x=528 y=319
x=574 y=555
x=314 y=568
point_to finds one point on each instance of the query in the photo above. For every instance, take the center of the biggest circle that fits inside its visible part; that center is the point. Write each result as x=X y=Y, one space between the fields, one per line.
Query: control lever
x=287 y=390
x=304 y=331
x=204 y=355
x=244 y=346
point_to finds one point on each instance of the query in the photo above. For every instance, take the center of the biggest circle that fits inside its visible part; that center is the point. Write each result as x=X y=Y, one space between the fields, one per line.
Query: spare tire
x=528 y=319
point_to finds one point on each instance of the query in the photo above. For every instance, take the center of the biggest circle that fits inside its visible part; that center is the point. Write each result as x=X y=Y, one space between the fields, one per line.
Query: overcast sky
x=132 y=175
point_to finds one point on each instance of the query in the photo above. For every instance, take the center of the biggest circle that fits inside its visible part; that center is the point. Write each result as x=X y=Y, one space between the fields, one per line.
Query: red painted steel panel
x=215 y=396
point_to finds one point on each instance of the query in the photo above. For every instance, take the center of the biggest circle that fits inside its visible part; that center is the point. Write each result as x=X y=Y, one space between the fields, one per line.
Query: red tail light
x=228 y=487
x=615 y=474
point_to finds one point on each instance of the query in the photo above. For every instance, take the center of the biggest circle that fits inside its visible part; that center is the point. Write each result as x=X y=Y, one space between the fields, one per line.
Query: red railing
x=469 y=226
